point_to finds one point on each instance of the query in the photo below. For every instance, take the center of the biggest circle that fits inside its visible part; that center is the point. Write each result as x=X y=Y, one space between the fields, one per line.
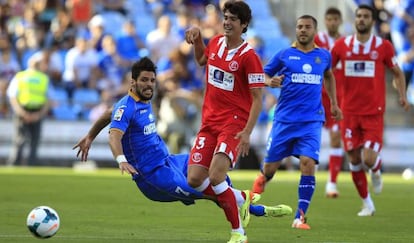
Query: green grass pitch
x=104 y=206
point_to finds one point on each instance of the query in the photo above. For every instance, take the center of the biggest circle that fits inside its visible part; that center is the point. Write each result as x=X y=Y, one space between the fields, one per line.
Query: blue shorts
x=286 y=139
x=168 y=183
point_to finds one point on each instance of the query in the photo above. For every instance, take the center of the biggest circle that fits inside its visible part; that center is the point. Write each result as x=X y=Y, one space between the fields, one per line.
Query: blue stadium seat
x=59 y=96
x=61 y=107
x=260 y=8
x=266 y=27
x=83 y=100
x=275 y=44
x=144 y=24
x=64 y=112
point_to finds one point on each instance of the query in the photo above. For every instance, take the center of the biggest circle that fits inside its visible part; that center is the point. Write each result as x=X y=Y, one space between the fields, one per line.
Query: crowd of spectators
x=90 y=44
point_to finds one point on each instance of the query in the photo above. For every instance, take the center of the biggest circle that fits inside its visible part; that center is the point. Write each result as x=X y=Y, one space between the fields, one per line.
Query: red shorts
x=362 y=130
x=211 y=141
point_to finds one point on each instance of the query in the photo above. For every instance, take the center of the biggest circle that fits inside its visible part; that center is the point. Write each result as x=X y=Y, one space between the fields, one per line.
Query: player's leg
x=335 y=161
x=154 y=194
x=307 y=148
x=360 y=181
x=170 y=182
x=199 y=170
x=352 y=140
x=180 y=162
x=373 y=127
x=279 y=141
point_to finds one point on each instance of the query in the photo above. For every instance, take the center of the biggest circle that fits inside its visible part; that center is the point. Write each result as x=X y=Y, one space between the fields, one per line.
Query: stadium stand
x=60 y=136
x=68 y=119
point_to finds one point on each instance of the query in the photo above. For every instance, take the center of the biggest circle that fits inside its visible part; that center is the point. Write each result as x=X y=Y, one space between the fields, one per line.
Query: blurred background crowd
x=89 y=46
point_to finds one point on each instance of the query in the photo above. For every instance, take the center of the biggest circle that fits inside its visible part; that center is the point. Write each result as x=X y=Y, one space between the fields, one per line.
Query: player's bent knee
x=194 y=182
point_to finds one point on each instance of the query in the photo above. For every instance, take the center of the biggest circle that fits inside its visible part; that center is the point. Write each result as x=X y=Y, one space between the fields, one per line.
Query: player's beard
x=305 y=40
x=363 y=29
x=141 y=93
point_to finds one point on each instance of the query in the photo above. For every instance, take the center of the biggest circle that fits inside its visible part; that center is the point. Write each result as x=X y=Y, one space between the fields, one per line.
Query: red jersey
x=230 y=74
x=364 y=73
x=322 y=39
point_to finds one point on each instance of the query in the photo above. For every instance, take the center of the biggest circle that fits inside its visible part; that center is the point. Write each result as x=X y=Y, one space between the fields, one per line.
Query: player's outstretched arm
x=399 y=84
x=115 y=137
x=84 y=143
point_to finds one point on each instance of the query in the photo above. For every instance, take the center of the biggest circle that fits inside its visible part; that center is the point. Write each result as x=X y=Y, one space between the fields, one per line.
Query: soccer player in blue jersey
x=300 y=71
x=141 y=152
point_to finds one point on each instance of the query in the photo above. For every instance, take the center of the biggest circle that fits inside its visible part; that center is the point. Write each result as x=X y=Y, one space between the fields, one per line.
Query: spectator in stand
x=112 y=67
x=9 y=66
x=96 y=32
x=28 y=94
x=45 y=11
x=162 y=40
x=106 y=103
x=211 y=22
x=54 y=63
x=110 y=20
x=401 y=22
x=6 y=14
x=80 y=70
x=27 y=36
x=129 y=43
x=326 y=39
x=183 y=21
x=62 y=31
x=365 y=57
x=181 y=90
x=114 y=5
x=80 y=11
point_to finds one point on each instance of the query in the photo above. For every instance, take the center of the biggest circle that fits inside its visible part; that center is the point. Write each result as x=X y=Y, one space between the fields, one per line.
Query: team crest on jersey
x=196 y=157
x=318 y=60
x=348 y=53
x=374 y=55
x=118 y=114
x=151 y=117
x=233 y=66
x=212 y=55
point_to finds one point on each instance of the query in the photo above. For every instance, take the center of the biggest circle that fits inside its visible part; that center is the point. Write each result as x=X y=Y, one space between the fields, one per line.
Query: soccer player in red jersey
x=326 y=39
x=232 y=103
x=364 y=58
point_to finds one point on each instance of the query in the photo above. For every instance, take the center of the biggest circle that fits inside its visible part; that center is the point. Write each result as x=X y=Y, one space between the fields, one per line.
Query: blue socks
x=305 y=193
x=257 y=210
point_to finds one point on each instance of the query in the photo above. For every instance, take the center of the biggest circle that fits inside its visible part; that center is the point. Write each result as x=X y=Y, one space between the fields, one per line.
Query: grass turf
x=104 y=206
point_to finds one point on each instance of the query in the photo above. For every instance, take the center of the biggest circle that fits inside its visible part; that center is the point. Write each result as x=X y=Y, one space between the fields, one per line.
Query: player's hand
x=336 y=113
x=275 y=82
x=404 y=103
x=244 y=144
x=128 y=168
x=192 y=34
x=84 y=145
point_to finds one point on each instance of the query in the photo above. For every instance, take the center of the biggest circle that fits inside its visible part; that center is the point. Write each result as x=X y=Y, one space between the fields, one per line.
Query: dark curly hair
x=144 y=64
x=240 y=9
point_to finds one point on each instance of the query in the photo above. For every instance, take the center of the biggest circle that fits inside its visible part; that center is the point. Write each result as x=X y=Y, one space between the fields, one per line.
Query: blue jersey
x=162 y=176
x=301 y=95
x=142 y=145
